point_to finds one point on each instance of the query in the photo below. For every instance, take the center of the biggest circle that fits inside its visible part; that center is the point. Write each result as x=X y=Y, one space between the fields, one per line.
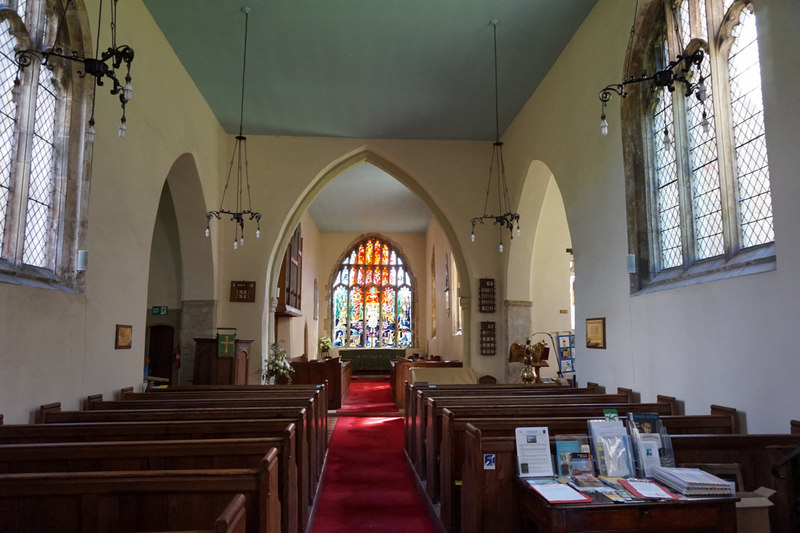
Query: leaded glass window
x=372 y=298
x=707 y=196
x=34 y=140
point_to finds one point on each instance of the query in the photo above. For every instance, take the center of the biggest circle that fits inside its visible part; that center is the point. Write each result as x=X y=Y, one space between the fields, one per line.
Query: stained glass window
x=372 y=298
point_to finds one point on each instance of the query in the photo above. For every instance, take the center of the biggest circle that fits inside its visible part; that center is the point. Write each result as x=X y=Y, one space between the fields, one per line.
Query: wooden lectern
x=210 y=369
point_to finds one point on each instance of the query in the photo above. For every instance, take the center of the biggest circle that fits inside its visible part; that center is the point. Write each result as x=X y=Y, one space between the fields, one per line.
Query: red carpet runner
x=367 y=484
x=368 y=397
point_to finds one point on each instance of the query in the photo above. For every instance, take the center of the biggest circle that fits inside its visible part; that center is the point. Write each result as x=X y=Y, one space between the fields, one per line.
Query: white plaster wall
x=164 y=283
x=727 y=342
x=58 y=346
x=447 y=343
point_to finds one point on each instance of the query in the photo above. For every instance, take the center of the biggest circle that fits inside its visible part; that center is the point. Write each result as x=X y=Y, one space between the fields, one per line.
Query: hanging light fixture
x=681 y=70
x=238 y=213
x=102 y=66
x=497 y=173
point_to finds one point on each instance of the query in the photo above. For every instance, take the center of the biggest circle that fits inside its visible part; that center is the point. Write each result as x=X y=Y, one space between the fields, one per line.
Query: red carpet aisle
x=367 y=484
x=368 y=397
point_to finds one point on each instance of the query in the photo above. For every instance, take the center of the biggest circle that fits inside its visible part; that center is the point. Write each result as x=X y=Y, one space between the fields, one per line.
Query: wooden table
x=705 y=515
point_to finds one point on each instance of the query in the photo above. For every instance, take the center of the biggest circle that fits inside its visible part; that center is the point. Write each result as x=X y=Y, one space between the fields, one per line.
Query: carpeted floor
x=368 y=397
x=367 y=484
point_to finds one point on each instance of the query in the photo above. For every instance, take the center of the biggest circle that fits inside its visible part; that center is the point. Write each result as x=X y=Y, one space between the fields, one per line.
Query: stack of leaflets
x=692 y=481
x=573 y=455
x=651 y=443
x=611 y=448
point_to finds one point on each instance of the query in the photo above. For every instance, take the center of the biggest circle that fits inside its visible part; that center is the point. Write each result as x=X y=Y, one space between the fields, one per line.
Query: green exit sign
x=159 y=310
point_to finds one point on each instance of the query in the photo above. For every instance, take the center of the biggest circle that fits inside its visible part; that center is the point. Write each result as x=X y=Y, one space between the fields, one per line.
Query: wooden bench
x=433 y=439
x=307 y=478
x=401 y=373
x=722 y=420
x=335 y=372
x=288 y=488
x=418 y=395
x=428 y=418
x=102 y=502
x=194 y=400
x=485 y=500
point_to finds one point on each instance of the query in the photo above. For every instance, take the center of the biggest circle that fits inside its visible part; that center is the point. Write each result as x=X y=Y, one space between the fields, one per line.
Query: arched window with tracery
x=42 y=136
x=373 y=297
x=701 y=207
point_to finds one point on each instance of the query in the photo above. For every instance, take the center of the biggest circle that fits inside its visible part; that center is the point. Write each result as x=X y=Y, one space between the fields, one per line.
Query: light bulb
x=90 y=131
x=706 y=125
x=123 y=128
x=15 y=91
x=241 y=240
x=208 y=231
x=667 y=140
x=518 y=232
x=235 y=244
x=511 y=241
x=127 y=92
x=258 y=233
x=702 y=93
x=603 y=125
x=472 y=237
x=501 y=248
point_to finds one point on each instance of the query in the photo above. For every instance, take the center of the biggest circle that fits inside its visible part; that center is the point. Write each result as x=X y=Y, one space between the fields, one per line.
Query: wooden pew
x=485 y=500
x=290 y=497
x=401 y=373
x=318 y=419
x=427 y=416
x=335 y=372
x=307 y=478
x=433 y=439
x=418 y=395
x=102 y=502
x=318 y=396
x=722 y=420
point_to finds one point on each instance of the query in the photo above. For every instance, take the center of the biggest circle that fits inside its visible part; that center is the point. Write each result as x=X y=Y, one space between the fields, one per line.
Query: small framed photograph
x=122 y=340
x=596 y=333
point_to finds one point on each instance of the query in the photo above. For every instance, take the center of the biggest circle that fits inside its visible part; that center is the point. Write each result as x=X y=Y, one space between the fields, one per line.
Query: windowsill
x=745 y=263
x=39 y=278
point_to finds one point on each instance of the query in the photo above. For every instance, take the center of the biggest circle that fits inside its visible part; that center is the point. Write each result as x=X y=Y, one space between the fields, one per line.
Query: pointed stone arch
x=365 y=154
x=198 y=312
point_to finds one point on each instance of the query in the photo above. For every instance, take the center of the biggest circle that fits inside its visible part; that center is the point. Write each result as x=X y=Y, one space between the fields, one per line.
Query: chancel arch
x=324 y=178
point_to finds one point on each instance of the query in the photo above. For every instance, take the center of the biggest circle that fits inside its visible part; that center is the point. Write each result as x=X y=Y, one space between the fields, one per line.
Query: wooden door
x=160 y=350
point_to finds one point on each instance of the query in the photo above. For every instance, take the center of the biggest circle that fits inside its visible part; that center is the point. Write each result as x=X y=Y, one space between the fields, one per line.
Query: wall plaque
x=488 y=338
x=486 y=296
x=243 y=291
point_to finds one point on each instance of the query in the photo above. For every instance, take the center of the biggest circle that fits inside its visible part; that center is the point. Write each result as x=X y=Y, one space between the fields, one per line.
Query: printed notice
x=533 y=452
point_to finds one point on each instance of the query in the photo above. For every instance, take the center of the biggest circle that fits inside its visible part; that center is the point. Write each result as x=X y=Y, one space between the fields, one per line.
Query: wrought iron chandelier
x=497 y=173
x=237 y=212
x=681 y=70
x=102 y=66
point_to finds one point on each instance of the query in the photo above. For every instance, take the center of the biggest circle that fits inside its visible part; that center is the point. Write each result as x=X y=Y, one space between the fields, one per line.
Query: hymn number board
x=488 y=338
x=486 y=296
x=243 y=291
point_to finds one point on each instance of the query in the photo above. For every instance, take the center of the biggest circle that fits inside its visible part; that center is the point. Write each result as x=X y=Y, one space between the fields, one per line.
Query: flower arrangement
x=277 y=365
x=325 y=344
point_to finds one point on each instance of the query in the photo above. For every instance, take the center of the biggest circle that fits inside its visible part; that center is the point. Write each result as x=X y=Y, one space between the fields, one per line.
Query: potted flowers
x=277 y=365
x=325 y=344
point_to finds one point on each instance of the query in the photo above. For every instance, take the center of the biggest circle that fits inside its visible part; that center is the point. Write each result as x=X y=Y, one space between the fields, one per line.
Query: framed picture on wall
x=596 y=333
x=122 y=339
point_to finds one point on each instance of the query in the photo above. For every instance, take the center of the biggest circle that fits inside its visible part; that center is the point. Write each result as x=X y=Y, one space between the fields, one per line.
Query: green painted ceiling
x=404 y=69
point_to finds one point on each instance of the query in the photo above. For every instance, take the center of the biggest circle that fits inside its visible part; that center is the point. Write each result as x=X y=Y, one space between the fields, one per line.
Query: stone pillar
x=198 y=321
x=520 y=323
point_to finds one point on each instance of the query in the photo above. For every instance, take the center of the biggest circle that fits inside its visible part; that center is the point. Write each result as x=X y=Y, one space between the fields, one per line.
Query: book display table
x=705 y=515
